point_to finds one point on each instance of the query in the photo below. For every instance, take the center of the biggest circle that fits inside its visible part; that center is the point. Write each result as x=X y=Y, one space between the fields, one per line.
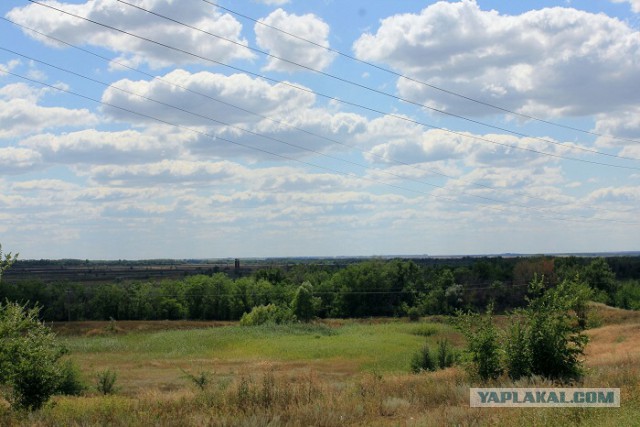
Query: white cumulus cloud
x=134 y=50
x=550 y=62
x=309 y=27
x=21 y=114
x=18 y=160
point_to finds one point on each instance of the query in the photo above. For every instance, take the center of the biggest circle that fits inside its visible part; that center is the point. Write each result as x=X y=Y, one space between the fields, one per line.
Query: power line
x=421 y=82
x=351 y=175
x=422 y=168
x=329 y=97
x=165 y=81
x=377 y=91
x=262 y=135
x=216 y=137
x=266 y=136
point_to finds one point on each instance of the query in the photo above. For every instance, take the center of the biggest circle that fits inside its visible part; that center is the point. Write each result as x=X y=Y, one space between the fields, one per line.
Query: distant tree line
x=363 y=289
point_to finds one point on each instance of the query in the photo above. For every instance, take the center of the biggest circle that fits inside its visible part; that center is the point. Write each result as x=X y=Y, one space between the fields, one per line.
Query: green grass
x=354 y=374
x=384 y=346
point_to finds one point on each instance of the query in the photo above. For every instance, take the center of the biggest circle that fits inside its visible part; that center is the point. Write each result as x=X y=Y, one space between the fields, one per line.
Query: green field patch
x=383 y=346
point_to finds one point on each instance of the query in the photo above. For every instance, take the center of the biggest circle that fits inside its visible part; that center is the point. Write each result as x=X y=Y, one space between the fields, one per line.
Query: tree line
x=369 y=288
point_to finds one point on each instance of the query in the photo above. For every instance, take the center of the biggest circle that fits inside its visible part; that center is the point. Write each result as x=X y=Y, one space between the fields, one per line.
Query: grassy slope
x=348 y=349
x=354 y=374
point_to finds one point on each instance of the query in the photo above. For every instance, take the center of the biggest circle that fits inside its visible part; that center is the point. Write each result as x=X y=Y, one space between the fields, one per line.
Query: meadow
x=336 y=372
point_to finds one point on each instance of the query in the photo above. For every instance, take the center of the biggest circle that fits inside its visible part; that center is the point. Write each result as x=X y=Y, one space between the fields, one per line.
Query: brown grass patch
x=124 y=326
x=608 y=315
x=613 y=344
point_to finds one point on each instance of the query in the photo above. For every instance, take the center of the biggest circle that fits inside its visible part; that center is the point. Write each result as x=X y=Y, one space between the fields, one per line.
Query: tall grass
x=269 y=398
x=355 y=374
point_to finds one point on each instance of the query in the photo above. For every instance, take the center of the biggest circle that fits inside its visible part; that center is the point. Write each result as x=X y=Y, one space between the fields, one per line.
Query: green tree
x=6 y=262
x=599 y=276
x=304 y=305
x=628 y=295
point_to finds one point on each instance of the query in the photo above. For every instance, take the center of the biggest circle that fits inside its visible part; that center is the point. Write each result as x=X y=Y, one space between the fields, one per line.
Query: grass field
x=332 y=373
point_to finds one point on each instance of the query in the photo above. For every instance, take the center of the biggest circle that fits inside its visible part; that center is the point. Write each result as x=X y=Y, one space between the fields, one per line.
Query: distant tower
x=236 y=266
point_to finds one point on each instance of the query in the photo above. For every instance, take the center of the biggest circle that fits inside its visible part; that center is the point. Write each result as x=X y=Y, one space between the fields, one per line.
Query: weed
x=200 y=380
x=106 y=382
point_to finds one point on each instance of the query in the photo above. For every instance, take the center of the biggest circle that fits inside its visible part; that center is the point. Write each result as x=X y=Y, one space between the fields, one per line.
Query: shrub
x=517 y=350
x=545 y=339
x=446 y=356
x=423 y=360
x=106 y=382
x=71 y=383
x=482 y=344
x=29 y=357
x=267 y=314
x=201 y=380
x=556 y=340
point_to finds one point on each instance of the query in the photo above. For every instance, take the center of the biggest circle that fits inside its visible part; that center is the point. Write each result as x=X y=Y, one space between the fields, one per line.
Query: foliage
x=304 y=304
x=446 y=356
x=543 y=339
x=413 y=313
x=29 y=357
x=423 y=360
x=358 y=289
x=628 y=295
x=518 y=358
x=270 y=313
x=555 y=335
x=106 y=381
x=599 y=275
x=200 y=380
x=71 y=383
x=6 y=262
x=483 y=344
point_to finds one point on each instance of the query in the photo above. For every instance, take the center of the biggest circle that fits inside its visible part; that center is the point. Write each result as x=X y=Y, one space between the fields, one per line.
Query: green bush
x=545 y=338
x=483 y=344
x=71 y=383
x=267 y=314
x=556 y=340
x=446 y=356
x=106 y=382
x=423 y=360
x=517 y=349
x=29 y=357
x=425 y=330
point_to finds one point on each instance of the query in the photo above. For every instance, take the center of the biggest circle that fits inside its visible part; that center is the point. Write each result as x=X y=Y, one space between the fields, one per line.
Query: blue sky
x=470 y=127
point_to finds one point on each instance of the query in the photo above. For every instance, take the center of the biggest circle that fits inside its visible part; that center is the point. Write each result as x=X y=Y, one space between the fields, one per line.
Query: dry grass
x=95 y=327
x=265 y=390
x=607 y=315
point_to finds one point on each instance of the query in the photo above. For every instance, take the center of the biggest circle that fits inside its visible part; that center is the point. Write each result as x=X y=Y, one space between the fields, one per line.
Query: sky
x=142 y=129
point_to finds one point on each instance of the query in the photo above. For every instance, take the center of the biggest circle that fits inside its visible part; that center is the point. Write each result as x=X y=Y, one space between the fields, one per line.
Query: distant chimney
x=237 y=266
